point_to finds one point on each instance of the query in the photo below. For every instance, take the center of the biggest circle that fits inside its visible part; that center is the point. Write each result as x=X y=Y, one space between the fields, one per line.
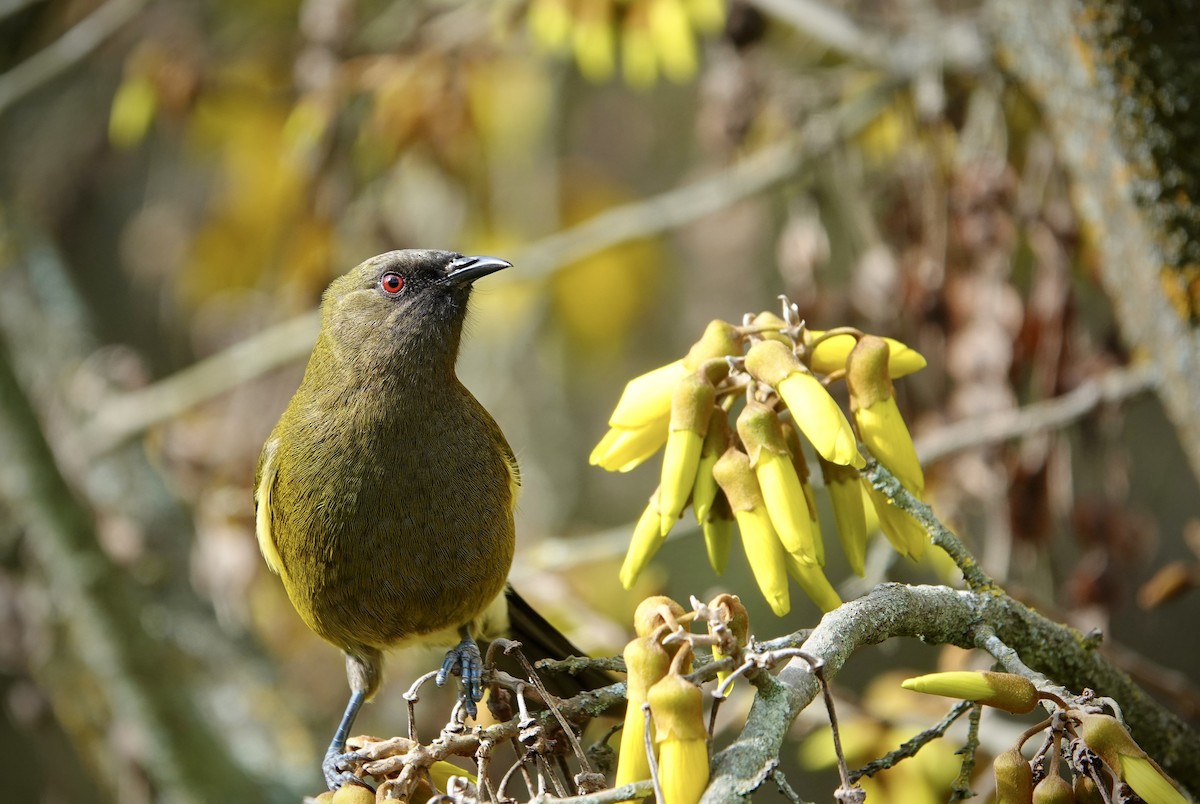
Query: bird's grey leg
x=465 y=660
x=331 y=765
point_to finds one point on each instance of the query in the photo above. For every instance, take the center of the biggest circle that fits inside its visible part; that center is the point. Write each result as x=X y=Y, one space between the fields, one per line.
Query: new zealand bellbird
x=384 y=496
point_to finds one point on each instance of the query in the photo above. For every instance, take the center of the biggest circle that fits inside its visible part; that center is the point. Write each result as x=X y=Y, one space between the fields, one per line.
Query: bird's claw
x=465 y=660
x=334 y=768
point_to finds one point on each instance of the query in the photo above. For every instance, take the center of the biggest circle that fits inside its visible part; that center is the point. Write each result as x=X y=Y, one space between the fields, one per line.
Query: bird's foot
x=335 y=765
x=465 y=660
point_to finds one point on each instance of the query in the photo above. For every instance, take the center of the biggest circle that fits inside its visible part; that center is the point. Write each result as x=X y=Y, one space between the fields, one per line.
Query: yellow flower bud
x=796 y=453
x=829 y=354
x=716 y=441
x=677 y=707
x=1086 y=791
x=691 y=408
x=647 y=538
x=720 y=339
x=718 y=534
x=763 y=548
x=1014 y=778
x=813 y=409
x=1105 y=735
x=646 y=662
x=814 y=583
x=707 y=15
x=549 y=24
x=594 y=41
x=879 y=421
x=780 y=486
x=771 y=327
x=1054 y=789
x=653 y=613
x=903 y=532
x=354 y=794
x=673 y=39
x=1007 y=691
x=845 y=493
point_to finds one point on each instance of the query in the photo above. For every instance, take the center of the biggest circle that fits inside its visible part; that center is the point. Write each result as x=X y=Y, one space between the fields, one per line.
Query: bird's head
x=403 y=305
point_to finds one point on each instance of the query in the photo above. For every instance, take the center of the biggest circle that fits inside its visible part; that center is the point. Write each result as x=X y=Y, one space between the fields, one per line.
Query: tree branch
x=939 y=615
x=66 y=51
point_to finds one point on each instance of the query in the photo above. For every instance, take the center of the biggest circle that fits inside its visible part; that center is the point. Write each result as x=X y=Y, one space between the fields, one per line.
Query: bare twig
x=961 y=789
x=66 y=51
x=911 y=746
x=1110 y=388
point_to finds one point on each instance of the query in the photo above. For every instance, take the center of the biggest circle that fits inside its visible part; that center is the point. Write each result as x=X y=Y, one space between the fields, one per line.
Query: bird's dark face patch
x=388 y=302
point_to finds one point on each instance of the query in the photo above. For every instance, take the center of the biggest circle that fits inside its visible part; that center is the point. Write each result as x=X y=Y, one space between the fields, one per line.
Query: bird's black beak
x=465 y=270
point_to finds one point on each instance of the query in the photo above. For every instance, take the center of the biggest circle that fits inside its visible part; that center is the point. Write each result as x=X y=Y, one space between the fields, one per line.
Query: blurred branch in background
x=65 y=52
x=141 y=687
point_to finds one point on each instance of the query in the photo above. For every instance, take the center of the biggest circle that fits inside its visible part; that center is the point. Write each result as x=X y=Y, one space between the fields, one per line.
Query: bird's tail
x=541 y=640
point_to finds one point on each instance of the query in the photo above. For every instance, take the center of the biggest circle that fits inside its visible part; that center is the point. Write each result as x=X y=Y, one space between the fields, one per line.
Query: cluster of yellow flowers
x=656 y=662
x=753 y=471
x=653 y=37
x=1111 y=757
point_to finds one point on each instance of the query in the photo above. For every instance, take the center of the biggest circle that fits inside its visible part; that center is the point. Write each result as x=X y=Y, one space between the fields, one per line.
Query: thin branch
x=1110 y=388
x=961 y=789
x=911 y=746
x=939 y=615
x=943 y=42
x=66 y=51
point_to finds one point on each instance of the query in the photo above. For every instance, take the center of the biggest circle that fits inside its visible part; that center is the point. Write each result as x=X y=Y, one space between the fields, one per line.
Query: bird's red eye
x=391 y=283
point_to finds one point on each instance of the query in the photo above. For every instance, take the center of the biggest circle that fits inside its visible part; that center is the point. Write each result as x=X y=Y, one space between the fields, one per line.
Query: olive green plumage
x=385 y=492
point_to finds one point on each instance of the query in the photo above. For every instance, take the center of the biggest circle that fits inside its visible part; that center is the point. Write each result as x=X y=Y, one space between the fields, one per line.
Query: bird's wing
x=264 y=484
x=514 y=471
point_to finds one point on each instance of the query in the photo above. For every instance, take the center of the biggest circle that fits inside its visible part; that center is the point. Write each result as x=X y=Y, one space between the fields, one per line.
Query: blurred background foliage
x=177 y=178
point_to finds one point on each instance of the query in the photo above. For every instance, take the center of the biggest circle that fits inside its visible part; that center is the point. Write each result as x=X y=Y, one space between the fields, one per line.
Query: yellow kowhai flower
x=784 y=497
x=1105 y=735
x=674 y=42
x=1014 y=778
x=828 y=353
x=691 y=409
x=812 y=580
x=796 y=452
x=646 y=662
x=549 y=24
x=759 y=540
x=1054 y=789
x=639 y=424
x=647 y=538
x=718 y=533
x=677 y=707
x=625 y=448
x=813 y=409
x=1007 y=691
x=716 y=441
x=594 y=40
x=845 y=494
x=883 y=430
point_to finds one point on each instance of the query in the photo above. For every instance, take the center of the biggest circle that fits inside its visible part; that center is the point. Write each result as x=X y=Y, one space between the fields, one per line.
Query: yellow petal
x=648 y=397
x=903 y=532
x=820 y=419
x=683 y=768
x=814 y=583
x=716 y=441
x=673 y=40
x=681 y=461
x=830 y=354
x=549 y=24
x=441 y=771
x=623 y=449
x=718 y=540
x=766 y=557
x=639 y=61
x=1148 y=781
x=646 y=539
x=786 y=505
x=846 y=496
x=594 y=42
x=885 y=434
